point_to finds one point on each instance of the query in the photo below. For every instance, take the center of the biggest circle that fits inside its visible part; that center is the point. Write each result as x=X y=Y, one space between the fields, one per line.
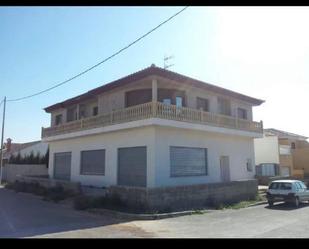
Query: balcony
x=154 y=110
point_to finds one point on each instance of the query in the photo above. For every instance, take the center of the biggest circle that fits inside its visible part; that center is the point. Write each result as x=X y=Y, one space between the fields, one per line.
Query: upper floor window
x=167 y=101
x=293 y=145
x=58 y=119
x=202 y=104
x=242 y=113
x=95 y=111
x=224 y=106
x=179 y=101
x=72 y=114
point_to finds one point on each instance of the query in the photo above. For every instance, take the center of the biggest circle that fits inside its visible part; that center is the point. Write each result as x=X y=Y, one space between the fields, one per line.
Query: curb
x=117 y=214
x=258 y=203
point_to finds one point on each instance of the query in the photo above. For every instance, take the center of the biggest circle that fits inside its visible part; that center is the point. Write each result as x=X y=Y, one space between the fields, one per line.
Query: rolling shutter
x=62 y=166
x=132 y=166
x=187 y=161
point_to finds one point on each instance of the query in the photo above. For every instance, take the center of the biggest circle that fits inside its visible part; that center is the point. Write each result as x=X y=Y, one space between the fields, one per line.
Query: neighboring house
x=23 y=149
x=281 y=153
x=153 y=128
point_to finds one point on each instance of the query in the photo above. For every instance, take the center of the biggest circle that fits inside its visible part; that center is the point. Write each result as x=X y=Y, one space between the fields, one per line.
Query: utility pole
x=166 y=66
x=2 y=136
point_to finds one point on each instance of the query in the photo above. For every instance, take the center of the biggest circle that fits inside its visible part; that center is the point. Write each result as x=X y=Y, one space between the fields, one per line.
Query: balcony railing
x=154 y=110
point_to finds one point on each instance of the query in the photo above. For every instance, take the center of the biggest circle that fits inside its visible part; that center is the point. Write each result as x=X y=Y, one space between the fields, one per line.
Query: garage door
x=62 y=166
x=132 y=166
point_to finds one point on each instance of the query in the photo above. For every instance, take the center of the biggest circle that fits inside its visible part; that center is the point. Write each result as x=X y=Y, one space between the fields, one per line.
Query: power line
x=98 y=64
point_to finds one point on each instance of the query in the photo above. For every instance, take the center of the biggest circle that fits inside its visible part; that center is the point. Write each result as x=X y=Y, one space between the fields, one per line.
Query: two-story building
x=153 y=128
x=281 y=153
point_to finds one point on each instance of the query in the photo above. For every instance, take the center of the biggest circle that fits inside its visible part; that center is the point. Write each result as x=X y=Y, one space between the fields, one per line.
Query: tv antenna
x=166 y=58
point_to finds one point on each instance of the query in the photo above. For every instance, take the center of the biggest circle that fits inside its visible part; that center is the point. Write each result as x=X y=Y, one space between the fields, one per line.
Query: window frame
x=190 y=175
x=61 y=119
x=91 y=173
x=244 y=111
x=95 y=113
x=206 y=102
x=227 y=102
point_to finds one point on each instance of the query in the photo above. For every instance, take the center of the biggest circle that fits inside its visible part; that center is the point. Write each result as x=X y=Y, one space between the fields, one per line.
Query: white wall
x=39 y=147
x=10 y=171
x=158 y=139
x=266 y=150
x=239 y=149
x=110 y=142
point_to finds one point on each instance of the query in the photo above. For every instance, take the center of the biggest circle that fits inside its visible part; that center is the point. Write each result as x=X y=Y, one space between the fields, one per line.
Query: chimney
x=8 y=144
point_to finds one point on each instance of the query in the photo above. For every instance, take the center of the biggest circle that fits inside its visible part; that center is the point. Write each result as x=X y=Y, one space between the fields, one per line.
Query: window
x=202 y=104
x=93 y=162
x=249 y=165
x=95 y=111
x=224 y=106
x=167 y=101
x=293 y=145
x=72 y=114
x=58 y=119
x=179 y=101
x=242 y=113
x=186 y=161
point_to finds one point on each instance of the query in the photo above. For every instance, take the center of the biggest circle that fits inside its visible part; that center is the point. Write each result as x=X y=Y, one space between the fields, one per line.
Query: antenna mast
x=166 y=58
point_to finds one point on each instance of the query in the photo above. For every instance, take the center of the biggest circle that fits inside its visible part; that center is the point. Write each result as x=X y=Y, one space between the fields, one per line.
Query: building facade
x=281 y=153
x=153 y=128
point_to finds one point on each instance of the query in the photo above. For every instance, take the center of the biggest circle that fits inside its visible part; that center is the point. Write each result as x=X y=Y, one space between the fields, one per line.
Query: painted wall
x=39 y=147
x=11 y=171
x=115 y=99
x=266 y=150
x=239 y=149
x=110 y=142
x=158 y=139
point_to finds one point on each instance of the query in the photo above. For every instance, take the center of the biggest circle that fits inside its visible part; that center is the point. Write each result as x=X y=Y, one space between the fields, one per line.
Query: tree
x=37 y=158
x=18 y=158
x=30 y=158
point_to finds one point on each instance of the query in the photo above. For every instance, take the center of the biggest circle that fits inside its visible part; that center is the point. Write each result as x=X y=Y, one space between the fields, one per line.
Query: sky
x=262 y=52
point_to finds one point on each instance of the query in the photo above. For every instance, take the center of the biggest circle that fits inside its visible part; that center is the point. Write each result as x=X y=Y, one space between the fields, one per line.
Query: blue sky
x=259 y=51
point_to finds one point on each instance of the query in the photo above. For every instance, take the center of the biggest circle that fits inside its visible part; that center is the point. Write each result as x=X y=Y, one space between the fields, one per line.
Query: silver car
x=291 y=191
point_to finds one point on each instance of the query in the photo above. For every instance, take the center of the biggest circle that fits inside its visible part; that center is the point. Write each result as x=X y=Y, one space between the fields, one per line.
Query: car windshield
x=281 y=185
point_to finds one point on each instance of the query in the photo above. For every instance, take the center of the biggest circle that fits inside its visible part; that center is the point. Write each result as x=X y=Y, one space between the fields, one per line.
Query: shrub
x=82 y=202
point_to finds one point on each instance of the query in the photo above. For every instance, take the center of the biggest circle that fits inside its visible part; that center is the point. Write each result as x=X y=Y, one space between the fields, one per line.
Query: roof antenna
x=166 y=58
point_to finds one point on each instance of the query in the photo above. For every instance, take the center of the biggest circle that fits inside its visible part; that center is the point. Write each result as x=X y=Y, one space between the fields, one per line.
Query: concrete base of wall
x=185 y=197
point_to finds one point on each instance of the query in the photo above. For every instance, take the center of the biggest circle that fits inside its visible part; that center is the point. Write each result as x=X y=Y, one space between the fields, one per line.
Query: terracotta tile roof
x=283 y=134
x=152 y=71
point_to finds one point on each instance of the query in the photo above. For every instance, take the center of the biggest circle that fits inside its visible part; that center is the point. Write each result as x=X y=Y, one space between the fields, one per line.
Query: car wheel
x=270 y=203
x=296 y=202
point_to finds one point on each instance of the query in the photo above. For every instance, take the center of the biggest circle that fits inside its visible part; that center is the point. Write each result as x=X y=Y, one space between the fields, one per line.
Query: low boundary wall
x=185 y=197
x=11 y=171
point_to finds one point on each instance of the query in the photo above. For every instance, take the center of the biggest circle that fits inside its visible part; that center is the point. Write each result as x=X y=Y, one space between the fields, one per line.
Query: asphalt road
x=25 y=215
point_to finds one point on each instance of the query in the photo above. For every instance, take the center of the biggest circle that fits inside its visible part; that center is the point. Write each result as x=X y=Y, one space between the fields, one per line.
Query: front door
x=225 y=168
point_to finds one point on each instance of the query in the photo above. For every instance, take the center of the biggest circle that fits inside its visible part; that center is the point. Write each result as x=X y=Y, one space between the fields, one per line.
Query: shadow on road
x=24 y=215
x=287 y=206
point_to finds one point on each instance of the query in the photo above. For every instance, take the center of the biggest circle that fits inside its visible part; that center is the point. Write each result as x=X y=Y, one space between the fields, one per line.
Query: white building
x=153 y=128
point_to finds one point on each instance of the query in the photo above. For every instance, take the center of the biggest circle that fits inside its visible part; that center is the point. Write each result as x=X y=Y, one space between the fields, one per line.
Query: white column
x=154 y=87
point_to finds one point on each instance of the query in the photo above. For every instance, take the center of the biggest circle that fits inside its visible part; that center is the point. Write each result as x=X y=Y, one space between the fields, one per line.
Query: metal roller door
x=132 y=166
x=62 y=166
